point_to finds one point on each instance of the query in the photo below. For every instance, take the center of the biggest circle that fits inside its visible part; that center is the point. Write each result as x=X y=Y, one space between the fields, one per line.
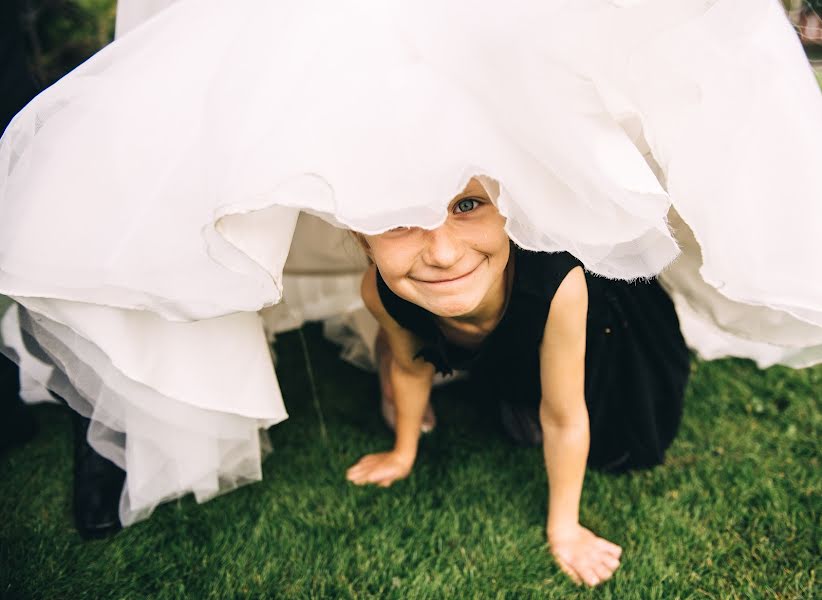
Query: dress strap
x=541 y=273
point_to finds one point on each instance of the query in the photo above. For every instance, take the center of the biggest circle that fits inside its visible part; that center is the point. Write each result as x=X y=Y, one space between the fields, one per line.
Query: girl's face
x=453 y=270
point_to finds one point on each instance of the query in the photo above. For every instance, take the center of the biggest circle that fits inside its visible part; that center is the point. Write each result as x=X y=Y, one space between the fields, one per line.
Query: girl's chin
x=452 y=307
x=451 y=303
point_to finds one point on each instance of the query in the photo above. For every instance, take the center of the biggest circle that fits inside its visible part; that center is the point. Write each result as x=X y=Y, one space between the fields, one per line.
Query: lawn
x=735 y=512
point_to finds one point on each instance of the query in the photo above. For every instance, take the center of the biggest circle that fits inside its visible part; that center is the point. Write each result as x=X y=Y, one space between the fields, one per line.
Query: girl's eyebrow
x=472 y=192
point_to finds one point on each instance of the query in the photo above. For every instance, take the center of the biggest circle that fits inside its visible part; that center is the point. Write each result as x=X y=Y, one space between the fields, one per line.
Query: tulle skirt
x=188 y=188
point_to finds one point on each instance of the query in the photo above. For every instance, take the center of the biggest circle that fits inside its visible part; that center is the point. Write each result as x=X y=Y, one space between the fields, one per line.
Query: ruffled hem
x=168 y=446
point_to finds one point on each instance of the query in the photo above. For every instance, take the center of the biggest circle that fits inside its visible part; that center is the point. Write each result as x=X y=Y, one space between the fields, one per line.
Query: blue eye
x=466 y=205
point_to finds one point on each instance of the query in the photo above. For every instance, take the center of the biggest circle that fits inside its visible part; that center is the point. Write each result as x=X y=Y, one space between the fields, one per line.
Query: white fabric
x=191 y=398
x=34 y=373
x=731 y=328
x=148 y=200
x=131 y=13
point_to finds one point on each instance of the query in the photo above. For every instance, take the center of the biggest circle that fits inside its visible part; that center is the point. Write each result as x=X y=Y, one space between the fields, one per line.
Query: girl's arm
x=410 y=379
x=565 y=431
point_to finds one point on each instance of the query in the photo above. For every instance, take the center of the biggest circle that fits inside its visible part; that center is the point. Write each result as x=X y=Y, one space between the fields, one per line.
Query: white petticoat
x=148 y=200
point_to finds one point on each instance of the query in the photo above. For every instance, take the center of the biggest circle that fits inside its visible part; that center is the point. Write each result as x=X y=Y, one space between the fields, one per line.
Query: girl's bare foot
x=389 y=411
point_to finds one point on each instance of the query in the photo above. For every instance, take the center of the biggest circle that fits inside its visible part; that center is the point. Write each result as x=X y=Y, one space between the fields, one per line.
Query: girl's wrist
x=559 y=527
x=406 y=442
x=407 y=438
x=405 y=455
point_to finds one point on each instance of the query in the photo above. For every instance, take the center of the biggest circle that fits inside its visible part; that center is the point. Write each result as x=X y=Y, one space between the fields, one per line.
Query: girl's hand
x=583 y=556
x=382 y=469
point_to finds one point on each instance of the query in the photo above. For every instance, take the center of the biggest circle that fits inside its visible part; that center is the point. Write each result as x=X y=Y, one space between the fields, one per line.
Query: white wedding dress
x=150 y=198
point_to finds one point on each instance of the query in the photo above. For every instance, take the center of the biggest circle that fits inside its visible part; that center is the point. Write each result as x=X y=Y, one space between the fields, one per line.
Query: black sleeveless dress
x=636 y=361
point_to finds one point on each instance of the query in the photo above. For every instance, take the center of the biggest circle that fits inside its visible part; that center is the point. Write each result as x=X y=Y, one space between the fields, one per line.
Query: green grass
x=735 y=513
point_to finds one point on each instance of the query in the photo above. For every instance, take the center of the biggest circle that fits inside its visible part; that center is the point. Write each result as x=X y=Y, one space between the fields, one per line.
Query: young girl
x=149 y=199
x=545 y=340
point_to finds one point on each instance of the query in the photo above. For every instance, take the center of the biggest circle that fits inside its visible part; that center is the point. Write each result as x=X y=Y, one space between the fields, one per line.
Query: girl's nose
x=442 y=249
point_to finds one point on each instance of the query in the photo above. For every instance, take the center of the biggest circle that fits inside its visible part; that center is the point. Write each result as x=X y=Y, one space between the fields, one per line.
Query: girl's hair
x=360 y=238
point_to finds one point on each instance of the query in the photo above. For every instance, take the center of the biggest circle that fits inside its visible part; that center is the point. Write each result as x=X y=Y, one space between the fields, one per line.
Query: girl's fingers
x=375 y=474
x=377 y=469
x=360 y=466
x=363 y=479
x=602 y=572
x=595 y=565
x=589 y=576
x=610 y=547
x=366 y=460
x=358 y=477
x=354 y=472
x=355 y=467
x=609 y=561
x=358 y=473
x=386 y=476
x=566 y=568
x=562 y=555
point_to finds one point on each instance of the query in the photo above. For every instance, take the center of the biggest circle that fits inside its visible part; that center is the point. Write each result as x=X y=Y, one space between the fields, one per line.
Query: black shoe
x=98 y=484
x=17 y=424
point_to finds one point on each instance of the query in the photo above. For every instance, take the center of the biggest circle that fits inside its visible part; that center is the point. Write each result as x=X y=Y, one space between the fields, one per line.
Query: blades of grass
x=313 y=385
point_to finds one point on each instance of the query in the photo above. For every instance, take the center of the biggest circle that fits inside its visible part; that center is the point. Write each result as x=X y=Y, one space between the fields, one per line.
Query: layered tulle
x=183 y=407
x=149 y=200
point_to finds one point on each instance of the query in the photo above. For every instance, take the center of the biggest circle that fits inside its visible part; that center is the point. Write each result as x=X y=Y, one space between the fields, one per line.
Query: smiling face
x=455 y=270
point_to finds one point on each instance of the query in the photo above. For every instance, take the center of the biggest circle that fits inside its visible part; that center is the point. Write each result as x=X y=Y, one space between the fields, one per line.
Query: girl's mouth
x=449 y=279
